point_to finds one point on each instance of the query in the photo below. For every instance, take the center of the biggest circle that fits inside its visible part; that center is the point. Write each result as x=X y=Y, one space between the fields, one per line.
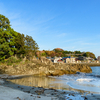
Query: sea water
x=84 y=81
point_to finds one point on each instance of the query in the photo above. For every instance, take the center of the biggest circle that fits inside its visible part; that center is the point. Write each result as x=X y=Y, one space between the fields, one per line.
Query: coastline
x=34 y=93
x=40 y=93
x=88 y=64
x=38 y=68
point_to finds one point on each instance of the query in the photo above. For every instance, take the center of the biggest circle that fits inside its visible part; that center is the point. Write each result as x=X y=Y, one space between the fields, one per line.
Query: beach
x=11 y=91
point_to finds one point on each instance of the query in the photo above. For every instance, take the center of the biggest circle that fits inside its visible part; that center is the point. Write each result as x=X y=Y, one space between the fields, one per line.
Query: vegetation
x=14 y=43
x=89 y=54
x=61 y=53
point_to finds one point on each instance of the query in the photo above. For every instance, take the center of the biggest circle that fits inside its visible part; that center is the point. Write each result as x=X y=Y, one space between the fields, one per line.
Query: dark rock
x=77 y=72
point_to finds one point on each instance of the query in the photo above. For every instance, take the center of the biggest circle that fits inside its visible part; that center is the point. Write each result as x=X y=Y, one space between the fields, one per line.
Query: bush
x=13 y=59
x=9 y=64
x=2 y=61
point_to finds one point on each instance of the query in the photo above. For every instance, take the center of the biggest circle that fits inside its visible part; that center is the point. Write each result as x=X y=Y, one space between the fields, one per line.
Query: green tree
x=89 y=54
x=30 y=44
x=6 y=38
x=77 y=52
x=4 y=22
x=6 y=45
x=12 y=42
x=19 y=44
x=43 y=54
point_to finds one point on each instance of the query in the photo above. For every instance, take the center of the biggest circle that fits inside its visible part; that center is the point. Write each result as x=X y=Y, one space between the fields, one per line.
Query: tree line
x=14 y=43
x=64 y=53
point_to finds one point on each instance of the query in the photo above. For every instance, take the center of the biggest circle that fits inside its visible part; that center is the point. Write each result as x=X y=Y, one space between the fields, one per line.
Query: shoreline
x=41 y=93
x=88 y=64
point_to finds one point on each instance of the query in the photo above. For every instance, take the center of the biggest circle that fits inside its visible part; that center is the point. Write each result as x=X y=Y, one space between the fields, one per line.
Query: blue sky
x=67 y=24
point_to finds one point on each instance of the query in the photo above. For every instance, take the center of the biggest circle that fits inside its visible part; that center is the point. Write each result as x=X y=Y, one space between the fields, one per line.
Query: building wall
x=98 y=58
x=70 y=60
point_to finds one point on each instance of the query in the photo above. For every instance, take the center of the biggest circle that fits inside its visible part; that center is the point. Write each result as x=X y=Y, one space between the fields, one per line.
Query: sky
x=68 y=24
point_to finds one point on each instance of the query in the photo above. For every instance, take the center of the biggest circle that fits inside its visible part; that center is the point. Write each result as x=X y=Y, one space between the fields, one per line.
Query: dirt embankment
x=43 y=67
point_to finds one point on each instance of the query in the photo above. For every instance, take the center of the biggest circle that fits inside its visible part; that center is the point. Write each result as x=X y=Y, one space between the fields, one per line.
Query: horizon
x=72 y=25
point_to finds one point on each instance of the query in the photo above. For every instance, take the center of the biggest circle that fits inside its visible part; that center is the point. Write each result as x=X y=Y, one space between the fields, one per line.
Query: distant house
x=97 y=61
x=60 y=61
x=69 y=59
x=81 y=58
x=98 y=58
x=72 y=59
x=56 y=59
x=89 y=59
x=77 y=61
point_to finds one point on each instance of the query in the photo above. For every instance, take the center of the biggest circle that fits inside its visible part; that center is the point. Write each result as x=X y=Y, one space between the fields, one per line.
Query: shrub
x=11 y=59
x=9 y=64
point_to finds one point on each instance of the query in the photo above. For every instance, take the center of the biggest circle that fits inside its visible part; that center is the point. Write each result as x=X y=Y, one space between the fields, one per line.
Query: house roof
x=66 y=57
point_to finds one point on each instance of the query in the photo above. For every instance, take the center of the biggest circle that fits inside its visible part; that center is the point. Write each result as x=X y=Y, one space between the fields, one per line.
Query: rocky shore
x=11 y=91
x=43 y=67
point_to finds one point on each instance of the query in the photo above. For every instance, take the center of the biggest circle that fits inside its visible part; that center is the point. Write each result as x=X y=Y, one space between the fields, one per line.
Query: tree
x=58 y=50
x=4 y=22
x=6 y=45
x=30 y=44
x=89 y=54
x=52 y=54
x=19 y=44
x=77 y=52
x=12 y=42
x=6 y=38
x=43 y=54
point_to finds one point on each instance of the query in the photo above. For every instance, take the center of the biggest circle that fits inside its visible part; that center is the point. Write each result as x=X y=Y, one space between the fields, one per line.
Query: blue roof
x=66 y=57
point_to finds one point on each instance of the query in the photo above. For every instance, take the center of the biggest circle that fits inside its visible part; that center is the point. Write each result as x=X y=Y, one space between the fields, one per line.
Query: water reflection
x=46 y=82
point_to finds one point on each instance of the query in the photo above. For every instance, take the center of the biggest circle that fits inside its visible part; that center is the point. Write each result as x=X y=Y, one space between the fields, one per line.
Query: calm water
x=96 y=70
x=82 y=82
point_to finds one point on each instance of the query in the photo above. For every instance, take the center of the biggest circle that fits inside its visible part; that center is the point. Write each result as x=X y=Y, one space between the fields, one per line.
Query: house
x=69 y=59
x=60 y=61
x=55 y=59
x=77 y=61
x=81 y=58
x=72 y=60
x=89 y=59
x=98 y=58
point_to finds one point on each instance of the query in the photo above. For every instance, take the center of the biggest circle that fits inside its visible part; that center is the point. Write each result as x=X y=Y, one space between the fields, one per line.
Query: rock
x=77 y=72
x=45 y=67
